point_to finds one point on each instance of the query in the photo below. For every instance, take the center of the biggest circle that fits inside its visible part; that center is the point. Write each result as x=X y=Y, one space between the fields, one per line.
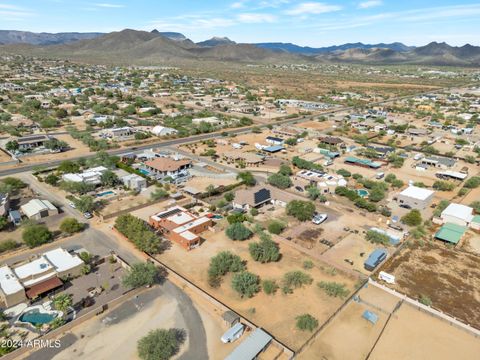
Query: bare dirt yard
x=316 y=125
x=412 y=334
x=276 y=313
x=449 y=277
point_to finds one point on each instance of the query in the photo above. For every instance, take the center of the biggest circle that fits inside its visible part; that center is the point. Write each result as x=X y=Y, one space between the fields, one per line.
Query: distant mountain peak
x=215 y=41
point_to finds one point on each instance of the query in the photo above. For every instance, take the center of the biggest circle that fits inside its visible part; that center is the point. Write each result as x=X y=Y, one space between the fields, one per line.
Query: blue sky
x=312 y=23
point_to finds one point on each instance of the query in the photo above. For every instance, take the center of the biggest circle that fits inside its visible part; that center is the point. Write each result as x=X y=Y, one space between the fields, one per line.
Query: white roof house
x=458 y=214
x=8 y=281
x=210 y=120
x=90 y=176
x=417 y=192
x=62 y=260
x=36 y=206
x=163 y=131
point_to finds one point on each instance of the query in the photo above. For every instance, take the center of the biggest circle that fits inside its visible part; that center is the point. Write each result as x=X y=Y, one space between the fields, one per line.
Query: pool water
x=35 y=317
x=362 y=193
x=105 y=193
x=143 y=171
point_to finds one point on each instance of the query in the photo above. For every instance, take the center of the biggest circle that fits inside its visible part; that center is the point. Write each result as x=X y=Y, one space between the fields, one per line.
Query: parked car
x=299 y=188
x=87 y=215
x=319 y=218
x=405 y=206
x=72 y=205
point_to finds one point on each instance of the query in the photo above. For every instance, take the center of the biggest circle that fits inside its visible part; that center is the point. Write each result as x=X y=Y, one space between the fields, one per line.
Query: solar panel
x=261 y=196
x=168 y=213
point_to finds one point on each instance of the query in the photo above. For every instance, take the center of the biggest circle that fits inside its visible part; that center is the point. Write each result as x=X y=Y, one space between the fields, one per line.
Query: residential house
x=213 y=120
x=38 y=276
x=91 y=176
x=32 y=142
x=332 y=141
x=438 y=162
x=166 y=166
x=272 y=140
x=179 y=225
x=251 y=198
x=119 y=133
x=134 y=182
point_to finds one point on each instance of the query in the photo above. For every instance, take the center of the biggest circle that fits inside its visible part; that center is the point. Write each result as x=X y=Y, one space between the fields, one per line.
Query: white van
x=233 y=333
x=380 y=175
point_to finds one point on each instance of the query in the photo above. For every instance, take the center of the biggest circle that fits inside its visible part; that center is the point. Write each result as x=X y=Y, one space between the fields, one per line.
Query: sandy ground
x=349 y=336
x=275 y=313
x=201 y=183
x=316 y=125
x=102 y=341
x=412 y=334
x=77 y=149
x=4 y=157
x=351 y=247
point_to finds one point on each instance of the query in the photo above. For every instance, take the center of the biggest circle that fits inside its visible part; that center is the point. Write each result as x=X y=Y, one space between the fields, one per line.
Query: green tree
x=472 y=183
x=285 y=170
x=109 y=178
x=35 y=235
x=264 y=251
x=68 y=166
x=295 y=279
x=71 y=226
x=236 y=218
x=269 y=287
x=238 y=231
x=301 y=210
x=334 y=289
x=139 y=233
x=376 y=195
x=52 y=179
x=221 y=264
x=246 y=284
x=377 y=238
x=62 y=302
x=159 y=344
x=313 y=192
x=12 y=146
x=413 y=218
x=247 y=178
x=276 y=227
x=280 y=181
x=141 y=274
x=85 y=203
x=306 y=322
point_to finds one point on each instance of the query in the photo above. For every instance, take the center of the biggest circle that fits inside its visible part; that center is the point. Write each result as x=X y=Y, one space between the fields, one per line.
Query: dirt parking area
x=349 y=336
x=353 y=247
x=412 y=334
x=450 y=278
x=276 y=313
x=77 y=149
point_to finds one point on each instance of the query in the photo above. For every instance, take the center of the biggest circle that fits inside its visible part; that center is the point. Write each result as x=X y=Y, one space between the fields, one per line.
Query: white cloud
x=109 y=5
x=237 y=5
x=256 y=18
x=12 y=12
x=308 y=8
x=370 y=4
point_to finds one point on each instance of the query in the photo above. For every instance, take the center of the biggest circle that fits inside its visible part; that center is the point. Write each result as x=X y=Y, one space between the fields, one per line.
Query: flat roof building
x=415 y=197
x=253 y=345
x=38 y=209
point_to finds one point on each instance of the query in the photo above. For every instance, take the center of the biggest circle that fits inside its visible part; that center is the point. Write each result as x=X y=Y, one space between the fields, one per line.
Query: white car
x=319 y=218
x=72 y=205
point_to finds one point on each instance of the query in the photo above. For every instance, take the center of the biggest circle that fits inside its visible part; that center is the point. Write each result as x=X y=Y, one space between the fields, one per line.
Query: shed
x=273 y=149
x=451 y=233
x=370 y=316
x=254 y=344
x=230 y=318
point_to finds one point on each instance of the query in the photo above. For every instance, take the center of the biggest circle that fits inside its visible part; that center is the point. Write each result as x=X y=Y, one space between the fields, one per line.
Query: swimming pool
x=105 y=193
x=144 y=172
x=362 y=193
x=35 y=317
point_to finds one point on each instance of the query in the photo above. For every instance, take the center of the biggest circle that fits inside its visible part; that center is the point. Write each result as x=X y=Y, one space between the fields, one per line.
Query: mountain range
x=142 y=47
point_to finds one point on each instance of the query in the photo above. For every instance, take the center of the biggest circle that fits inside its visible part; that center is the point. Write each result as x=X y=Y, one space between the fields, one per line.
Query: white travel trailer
x=233 y=333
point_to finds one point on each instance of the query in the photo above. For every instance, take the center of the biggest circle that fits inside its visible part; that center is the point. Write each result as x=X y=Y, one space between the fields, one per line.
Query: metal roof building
x=451 y=233
x=251 y=346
